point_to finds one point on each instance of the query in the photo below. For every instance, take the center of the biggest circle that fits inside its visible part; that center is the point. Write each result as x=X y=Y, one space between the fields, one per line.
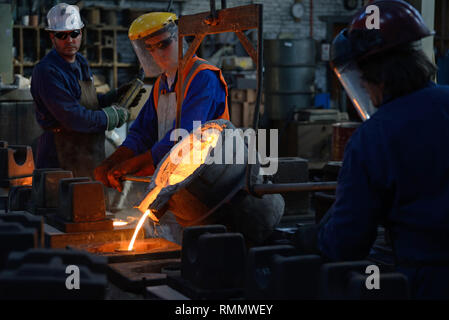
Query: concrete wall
x=278 y=21
x=277 y=17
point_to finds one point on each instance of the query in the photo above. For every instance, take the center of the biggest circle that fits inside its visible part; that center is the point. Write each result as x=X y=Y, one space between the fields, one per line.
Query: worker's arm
x=143 y=132
x=205 y=100
x=361 y=197
x=63 y=105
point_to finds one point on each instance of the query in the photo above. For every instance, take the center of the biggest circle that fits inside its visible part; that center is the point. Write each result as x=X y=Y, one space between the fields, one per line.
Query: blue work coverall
x=396 y=171
x=56 y=92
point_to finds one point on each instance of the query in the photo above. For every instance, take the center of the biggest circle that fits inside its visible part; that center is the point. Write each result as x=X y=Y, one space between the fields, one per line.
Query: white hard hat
x=64 y=17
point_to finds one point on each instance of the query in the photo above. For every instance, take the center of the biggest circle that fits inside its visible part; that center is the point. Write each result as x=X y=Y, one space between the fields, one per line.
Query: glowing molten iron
x=190 y=154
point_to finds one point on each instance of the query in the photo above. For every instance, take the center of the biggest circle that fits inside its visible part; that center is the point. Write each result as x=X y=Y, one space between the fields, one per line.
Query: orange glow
x=359 y=108
x=143 y=206
x=192 y=153
x=139 y=225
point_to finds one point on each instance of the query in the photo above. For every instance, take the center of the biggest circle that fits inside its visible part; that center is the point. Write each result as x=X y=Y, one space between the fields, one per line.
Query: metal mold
x=48 y=280
x=15 y=237
x=46 y=188
x=76 y=227
x=190 y=247
x=19 y=198
x=95 y=263
x=259 y=276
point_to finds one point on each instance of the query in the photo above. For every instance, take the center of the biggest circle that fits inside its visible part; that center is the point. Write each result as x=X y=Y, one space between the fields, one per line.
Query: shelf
x=101 y=65
x=19 y=26
x=89 y=27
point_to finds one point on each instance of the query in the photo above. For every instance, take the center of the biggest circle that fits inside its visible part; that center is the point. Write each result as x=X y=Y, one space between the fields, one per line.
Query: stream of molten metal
x=139 y=226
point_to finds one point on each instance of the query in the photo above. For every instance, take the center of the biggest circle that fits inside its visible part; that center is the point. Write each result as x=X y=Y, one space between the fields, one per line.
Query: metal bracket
x=237 y=19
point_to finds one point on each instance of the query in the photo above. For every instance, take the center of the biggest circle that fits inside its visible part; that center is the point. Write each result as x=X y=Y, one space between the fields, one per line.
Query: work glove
x=305 y=239
x=121 y=154
x=117 y=116
x=122 y=90
x=141 y=165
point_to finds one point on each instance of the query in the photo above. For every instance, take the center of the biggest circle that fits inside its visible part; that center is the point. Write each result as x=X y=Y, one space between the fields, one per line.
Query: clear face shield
x=350 y=77
x=144 y=46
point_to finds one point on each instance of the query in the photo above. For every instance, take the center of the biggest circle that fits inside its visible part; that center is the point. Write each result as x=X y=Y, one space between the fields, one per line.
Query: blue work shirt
x=396 y=171
x=205 y=100
x=56 y=93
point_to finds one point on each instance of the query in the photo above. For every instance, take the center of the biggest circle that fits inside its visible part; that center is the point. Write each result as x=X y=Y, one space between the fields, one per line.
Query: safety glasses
x=161 y=45
x=63 y=35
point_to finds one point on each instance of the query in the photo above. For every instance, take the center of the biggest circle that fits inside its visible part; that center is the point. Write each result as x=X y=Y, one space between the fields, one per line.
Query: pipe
x=259 y=70
x=261 y=189
x=249 y=186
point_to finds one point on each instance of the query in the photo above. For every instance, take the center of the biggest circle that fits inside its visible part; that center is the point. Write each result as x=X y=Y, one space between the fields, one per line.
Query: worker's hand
x=101 y=172
x=117 y=116
x=139 y=166
x=137 y=98
x=122 y=90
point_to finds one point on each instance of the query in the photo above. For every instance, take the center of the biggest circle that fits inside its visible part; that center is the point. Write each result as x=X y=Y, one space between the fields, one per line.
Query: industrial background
x=301 y=98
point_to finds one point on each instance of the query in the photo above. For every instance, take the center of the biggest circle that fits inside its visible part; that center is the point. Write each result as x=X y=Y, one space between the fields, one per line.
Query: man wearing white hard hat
x=73 y=116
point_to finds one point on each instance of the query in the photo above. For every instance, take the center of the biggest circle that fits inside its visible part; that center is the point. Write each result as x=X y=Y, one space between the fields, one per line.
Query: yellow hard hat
x=149 y=23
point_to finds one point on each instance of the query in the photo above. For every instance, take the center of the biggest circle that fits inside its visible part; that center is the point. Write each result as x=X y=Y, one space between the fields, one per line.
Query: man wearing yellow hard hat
x=154 y=37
